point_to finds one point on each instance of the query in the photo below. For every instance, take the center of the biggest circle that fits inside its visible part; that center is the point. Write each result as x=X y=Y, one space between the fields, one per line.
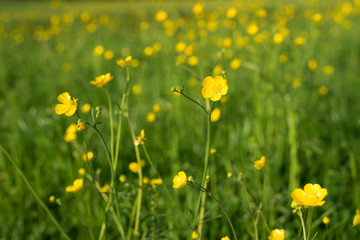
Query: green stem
x=309 y=221
x=35 y=194
x=150 y=162
x=111 y=126
x=302 y=224
x=139 y=198
x=197 y=103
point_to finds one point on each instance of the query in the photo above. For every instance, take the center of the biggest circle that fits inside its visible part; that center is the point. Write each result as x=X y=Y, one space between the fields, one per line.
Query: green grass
x=264 y=114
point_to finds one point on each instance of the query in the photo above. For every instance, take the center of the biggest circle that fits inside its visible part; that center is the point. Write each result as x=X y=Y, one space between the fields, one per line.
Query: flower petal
x=61 y=108
x=208 y=82
x=216 y=97
x=207 y=92
x=64 y=97
x=71 y=111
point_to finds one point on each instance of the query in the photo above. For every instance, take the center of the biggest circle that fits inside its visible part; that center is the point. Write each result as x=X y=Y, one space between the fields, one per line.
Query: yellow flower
x=146 y=180
x=317 y=17
x=98 y=50
x=122 y=178
x=180 y=47
x=278 y=38
x=156 y=181
x=229 y=174
x=105 y=188
x=323 y=90
x=70 y=134
x=136 y=89
x=252 y=29
x=328 y=70
x=80 y=126
x=259 y=164
x=225 y=238
x=156 y=108
x=180 y=180
x=214 y=88
x=124 y=62
x=311 y=196
x=102 y=80
x=85 y=108
x=51 y=198
x=356 y=219
x=231 y=12
x=150 y=117
x=108 y=54
x=81 y=171
x=141 y=138
x=326 y=220
x=89 y=155
x=161 y=16
x=235 y=63
x=215 y=115
x=198 y=8
x=77 y=186
x=212 y=151
x=66 y=105
x=193 y=61
x=299 y=41
x=283 y=57
x=277 y=234
x=312 y=64
x=194 y=235
x=134 y=167
x=148 y=51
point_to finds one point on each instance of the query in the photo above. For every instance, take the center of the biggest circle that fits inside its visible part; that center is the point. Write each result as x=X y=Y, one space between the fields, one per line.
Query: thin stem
x=325 y=232
x=150 y=162
x=138 y=208
x=35 y=194
x=302 y=224
x=309 y=221
x=111 y=126
x=197 y=103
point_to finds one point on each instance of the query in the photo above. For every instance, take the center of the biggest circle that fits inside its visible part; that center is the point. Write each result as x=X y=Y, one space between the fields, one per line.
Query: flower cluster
x=77 y=186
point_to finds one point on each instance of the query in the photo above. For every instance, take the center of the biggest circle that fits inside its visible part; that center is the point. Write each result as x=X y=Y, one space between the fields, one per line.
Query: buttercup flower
x=326 y=220
x=180 y=180
x=214 y=88
x=259 y=164
x=66 y=105
x=277 y=234
x=225 y=238
x=87 y=156
x=141 y=138
x=311 y=196
x=80 y=126
x=156 y=181
x=77 y=186
x=102 y=80
x=124 y=62
x=70 y=134
x=356 y=219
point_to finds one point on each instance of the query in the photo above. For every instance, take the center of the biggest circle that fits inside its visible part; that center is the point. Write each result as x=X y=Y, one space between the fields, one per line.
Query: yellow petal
x=71 y=111
x=224 y=90
x=207 y=92
x=64 y=97
x=208 y=82
x=61 y=109
x=299 y=196
x=216 y=97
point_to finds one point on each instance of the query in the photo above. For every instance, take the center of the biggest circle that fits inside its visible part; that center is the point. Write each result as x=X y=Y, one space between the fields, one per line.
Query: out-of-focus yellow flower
x=144 y=25
x=194 y=235
x=180 y=180
x=277 y=234
x=84 y=16
x=317 y=17
x=297 y=82
x=217 y=69
x=156 y=181
x=89 y=155
x=150 y=117
x=229 y=174
x=235 y=63
x=136 y=89
x=312 y=64
x=156 y=108
x=122 y=178
x=283 y=57
x=215 y=115
x=102 y=80
x=135 y=63
x=148 y=51
x=231 y=13
x=278 y=38
x=312 y=195
x=198 y=8
x=328 y=69
x=66 y=105
x=146 y=180
x=193 y=61
x=77 y=186
x=141 y=138
x=161 y=16
x=157 y=47
x=323 y=90
x=105 y=188
x=51 y=198
x=180 y=47
x=356 y=220
x=261 y=13
x=214 y=88
x=81 y=171
x=85 y=108
x=326 y=220
x=70 y=134
x=252 y=29
x=180 y=59
x=225 y=238
x=134 y=167
x=80 y=126
x=124 y=62
x=212 y=151
x=66 y=67
x=98 y=50
x=259 y=164
x=300 y=41
x=108 y=54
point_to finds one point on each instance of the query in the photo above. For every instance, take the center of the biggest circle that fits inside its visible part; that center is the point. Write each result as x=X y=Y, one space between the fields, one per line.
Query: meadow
x=241 y=104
